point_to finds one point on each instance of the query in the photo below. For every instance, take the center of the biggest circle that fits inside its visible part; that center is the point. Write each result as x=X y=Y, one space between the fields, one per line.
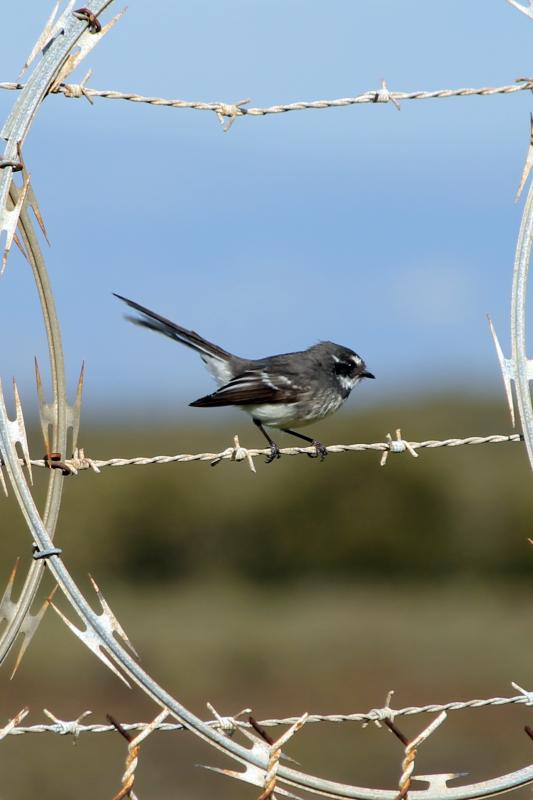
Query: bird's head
x=348 y=367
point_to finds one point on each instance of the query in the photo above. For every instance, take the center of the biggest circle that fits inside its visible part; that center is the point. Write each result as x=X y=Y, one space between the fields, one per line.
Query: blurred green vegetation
x=306 y=587
x=451 y=512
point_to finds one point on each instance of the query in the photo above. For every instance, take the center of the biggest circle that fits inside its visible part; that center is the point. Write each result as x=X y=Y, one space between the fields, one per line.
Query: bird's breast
x=298 y=414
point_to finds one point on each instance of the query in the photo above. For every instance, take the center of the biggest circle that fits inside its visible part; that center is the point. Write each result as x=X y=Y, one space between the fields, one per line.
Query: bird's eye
x=344 y=367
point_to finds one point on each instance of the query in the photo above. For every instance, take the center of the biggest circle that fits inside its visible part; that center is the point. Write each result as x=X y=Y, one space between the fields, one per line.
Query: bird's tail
x=149 y=319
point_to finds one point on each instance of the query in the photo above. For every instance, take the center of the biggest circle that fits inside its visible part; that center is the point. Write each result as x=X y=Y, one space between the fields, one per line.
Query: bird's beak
x=366 y=374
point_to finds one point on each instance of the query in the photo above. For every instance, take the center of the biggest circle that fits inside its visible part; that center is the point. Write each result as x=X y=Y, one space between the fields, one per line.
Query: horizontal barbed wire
x=377 y=715
x=233 y=110
x=238 y=453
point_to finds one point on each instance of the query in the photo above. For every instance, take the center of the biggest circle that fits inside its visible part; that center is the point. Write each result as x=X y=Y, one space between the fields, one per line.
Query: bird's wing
x=251 y=387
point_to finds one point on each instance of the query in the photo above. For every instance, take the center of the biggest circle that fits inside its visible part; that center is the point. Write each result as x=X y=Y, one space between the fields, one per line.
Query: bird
x=280 y=391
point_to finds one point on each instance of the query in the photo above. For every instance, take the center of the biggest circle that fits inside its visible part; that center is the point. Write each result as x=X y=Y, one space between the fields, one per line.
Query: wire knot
x=72 y=89
x=379 y=715
x=227 y=725
x=76 y=90
x=525 y=692
x=397 y=445
x=384 y=95
x=235 y=453
x=67 y=727
x=232 y=111
x=70 y=726
x=80 y=461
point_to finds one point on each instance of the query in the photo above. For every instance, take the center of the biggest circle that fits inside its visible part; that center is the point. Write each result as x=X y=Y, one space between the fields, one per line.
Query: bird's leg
x=274 y=449
x=319 y=447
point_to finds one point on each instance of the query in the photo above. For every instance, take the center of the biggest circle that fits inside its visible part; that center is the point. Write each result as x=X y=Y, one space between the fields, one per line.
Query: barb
x=237 y=453
x=231 y=111
x=70 y=727
x=227 y=724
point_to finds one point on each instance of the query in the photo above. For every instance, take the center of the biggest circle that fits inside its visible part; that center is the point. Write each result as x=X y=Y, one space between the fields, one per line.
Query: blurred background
x=307 y=587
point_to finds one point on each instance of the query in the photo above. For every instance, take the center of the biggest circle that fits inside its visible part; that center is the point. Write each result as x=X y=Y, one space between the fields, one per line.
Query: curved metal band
x=520 y=361
x=55 y=481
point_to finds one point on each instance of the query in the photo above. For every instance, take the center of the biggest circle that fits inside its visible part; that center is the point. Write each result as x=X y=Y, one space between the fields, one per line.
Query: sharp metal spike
x=16 y=428
x=21 y=430
x=7 y=605
x=3 y=480
x=438 y=784
x=91 y=641
x=9 y=219
x=48 y=411
x=507 y=369
x=254 y=775
x=8 y=609
x=46 y=34
x=74 y=411
x=108 y=618
x=86 y=43
x=28 y=628
x=32 y=202
x=20 y=246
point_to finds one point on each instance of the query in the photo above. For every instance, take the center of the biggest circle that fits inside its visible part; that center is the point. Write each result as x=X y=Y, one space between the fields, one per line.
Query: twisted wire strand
x=374 y=715
x=382 y=95
x=238 y=453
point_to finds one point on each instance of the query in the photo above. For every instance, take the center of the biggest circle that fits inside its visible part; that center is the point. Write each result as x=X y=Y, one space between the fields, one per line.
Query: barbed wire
x=230 y=723
x=81 y=462
x=233 y=110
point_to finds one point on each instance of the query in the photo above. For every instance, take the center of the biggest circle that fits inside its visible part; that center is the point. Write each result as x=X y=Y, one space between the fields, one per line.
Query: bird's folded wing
x=251 y=388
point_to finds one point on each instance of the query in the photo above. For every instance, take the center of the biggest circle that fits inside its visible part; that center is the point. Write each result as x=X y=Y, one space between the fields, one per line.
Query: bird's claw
x=274 y=453
x=320 y=450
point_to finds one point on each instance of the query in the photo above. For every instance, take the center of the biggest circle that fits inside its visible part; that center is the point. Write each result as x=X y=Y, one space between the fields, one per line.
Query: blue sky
x=390 y=232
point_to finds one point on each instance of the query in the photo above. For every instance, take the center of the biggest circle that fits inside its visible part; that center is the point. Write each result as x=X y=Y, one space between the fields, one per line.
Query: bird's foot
x=274 y=453
x=320 y=450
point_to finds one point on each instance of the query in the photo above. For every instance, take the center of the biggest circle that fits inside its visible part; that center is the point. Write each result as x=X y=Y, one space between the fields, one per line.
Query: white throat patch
x=348 y=383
